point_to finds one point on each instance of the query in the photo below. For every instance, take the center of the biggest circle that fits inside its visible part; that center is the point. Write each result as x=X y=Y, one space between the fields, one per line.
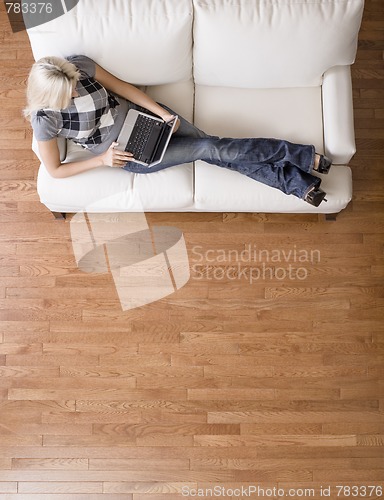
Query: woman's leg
x=279 y=164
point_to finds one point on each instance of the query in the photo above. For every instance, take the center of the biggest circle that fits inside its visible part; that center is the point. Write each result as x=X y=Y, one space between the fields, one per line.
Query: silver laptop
x=146 y=137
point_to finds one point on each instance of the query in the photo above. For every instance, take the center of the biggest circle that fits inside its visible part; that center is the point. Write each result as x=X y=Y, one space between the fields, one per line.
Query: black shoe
x=324 y=165
x=315 y=196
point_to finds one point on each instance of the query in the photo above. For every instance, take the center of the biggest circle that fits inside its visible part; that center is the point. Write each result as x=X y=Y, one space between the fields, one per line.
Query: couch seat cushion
x=221 y=190
x=293 y=114
x=113 y=190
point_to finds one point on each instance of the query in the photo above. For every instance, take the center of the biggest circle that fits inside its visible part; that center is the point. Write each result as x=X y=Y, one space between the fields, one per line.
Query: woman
x=77 y=99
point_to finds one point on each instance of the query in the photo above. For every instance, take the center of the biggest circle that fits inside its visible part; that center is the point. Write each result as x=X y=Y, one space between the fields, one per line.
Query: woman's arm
x=131 y=93
x=50 y=156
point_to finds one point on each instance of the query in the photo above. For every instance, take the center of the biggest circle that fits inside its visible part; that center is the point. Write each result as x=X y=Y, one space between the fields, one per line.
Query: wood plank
x=60 y=487
x=50 y=464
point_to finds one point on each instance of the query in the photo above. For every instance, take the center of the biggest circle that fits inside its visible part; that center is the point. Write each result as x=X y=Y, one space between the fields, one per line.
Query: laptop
x=146 y=137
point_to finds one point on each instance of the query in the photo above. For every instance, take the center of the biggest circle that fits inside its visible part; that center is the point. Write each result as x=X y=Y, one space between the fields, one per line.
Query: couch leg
x=330 y=217
x=59 y=215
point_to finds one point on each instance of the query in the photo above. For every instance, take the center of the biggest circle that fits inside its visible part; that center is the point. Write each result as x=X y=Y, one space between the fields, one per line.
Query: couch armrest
x=61 y=142
x=339 y=133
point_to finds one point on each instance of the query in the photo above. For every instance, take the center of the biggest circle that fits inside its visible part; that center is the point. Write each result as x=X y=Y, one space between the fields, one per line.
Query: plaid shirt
x=89 y=120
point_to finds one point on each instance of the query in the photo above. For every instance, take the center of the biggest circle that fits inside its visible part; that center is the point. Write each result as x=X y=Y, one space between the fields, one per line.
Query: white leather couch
x=240 y=68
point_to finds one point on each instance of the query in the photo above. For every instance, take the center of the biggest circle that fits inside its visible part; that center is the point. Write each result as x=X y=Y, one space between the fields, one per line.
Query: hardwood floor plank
x=95 y=394
x=50 y=464
x=137 y=464
x=60 y=487
x=252 y=440
x=285 y=416
x=7 y=488
x=149 y=489
x=348 y=475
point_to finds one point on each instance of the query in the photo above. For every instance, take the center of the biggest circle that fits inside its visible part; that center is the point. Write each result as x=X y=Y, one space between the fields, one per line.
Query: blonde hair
x=50 y=84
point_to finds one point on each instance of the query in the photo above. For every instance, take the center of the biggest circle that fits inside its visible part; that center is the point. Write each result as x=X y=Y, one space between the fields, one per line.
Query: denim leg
x=277 y=163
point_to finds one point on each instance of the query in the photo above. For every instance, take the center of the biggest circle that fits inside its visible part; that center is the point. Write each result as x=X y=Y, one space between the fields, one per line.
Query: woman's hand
x=167 y=117
x=115 y=158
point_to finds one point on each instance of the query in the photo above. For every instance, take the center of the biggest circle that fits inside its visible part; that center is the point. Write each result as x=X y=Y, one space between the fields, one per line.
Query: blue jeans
x=274 y=162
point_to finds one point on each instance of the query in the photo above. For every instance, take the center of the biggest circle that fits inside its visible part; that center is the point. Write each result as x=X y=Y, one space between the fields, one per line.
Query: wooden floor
x=225 y=384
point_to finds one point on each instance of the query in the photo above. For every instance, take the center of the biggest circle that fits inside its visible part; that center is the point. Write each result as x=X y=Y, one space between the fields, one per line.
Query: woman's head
x=51 y=83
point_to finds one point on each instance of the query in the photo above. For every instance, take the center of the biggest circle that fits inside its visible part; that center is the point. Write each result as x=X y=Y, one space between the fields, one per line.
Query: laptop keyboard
x=140 y=135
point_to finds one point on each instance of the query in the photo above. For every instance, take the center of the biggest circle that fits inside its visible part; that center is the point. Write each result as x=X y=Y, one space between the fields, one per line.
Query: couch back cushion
x=273 y=43
x=145 y=42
